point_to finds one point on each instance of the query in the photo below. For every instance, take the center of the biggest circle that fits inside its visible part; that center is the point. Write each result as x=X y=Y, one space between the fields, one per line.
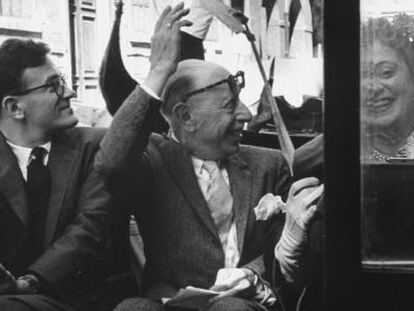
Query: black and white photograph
x=212 y=155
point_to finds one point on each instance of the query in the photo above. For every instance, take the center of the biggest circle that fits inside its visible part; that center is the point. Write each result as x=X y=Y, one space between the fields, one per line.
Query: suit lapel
x=240 y=186
x=12 y=183
x=180 y=166
x=62 y=157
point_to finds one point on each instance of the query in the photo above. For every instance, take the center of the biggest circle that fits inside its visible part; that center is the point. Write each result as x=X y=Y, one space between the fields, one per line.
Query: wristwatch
x=29 y=284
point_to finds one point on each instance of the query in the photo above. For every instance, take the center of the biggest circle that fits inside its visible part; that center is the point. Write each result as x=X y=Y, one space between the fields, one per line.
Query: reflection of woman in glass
x=387 y=88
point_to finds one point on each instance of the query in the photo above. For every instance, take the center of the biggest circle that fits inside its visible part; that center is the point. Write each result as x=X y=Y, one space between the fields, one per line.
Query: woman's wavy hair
x=397 y=33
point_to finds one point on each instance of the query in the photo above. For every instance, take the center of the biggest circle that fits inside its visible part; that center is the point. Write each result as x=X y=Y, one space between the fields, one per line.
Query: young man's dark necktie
x=38 y=192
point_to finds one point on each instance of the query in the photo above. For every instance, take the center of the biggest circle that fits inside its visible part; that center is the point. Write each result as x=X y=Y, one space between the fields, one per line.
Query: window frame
x=342 y=258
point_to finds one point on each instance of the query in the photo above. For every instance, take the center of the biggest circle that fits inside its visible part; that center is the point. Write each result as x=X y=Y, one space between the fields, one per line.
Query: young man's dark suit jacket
x=155 y=176
x=79 y=217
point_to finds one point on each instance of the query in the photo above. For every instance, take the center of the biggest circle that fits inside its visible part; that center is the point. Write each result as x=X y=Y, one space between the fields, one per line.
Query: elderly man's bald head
x=190 y=75
x=204 y=110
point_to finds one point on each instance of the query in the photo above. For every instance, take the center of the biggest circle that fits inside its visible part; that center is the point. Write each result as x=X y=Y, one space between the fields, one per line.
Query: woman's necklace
x=377 y=155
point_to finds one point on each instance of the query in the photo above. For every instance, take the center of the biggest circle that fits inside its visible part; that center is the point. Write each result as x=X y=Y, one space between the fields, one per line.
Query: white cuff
x=150 y=92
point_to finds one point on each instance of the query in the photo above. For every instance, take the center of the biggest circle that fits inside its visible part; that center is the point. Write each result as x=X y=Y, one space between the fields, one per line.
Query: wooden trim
x=20 y=33
x=136 y=44
x=342 y=160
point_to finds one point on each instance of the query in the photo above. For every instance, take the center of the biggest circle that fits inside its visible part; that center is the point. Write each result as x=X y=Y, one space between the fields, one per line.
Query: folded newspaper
x=190 y=298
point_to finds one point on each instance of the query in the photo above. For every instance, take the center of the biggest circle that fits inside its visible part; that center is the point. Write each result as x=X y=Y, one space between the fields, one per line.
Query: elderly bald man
x=193 y=191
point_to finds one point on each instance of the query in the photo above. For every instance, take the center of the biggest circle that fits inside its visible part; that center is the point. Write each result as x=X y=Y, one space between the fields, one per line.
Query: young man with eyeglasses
x=56 y=218
x=193 y=192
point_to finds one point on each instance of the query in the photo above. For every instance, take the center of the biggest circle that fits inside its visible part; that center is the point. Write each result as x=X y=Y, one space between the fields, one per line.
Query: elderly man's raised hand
x=166 y=46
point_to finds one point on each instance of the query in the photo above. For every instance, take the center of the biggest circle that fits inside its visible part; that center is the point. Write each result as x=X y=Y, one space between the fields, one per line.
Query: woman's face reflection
x=387 y=90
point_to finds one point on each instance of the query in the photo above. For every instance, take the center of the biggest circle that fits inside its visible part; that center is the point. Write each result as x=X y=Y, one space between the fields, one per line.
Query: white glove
x=300 y=210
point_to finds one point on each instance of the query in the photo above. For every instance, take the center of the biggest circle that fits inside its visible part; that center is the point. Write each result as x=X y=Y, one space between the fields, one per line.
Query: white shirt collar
x=173 y=137
x=197 y=164
x=23 y=155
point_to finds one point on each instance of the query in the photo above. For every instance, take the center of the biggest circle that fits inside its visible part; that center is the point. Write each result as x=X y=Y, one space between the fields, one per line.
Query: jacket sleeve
x=128 y=135
x=308 y=159
x=80 y=254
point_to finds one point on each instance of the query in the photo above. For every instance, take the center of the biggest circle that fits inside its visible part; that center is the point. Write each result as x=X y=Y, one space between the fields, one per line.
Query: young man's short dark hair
x=16 y=55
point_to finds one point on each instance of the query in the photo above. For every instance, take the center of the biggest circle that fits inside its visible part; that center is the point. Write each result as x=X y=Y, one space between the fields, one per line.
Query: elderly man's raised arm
x=132 y=124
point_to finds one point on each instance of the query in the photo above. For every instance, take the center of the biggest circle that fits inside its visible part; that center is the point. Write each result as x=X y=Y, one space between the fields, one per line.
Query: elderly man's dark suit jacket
x=181 y=242
x=79 y=217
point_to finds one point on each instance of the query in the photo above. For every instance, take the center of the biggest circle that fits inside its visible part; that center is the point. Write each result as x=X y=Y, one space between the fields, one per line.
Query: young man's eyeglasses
x=58 y=85
x=235 y=82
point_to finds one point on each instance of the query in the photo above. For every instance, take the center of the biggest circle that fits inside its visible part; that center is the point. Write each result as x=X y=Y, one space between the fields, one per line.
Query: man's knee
x=232 y=304
x=142 y=304
x=10 y=304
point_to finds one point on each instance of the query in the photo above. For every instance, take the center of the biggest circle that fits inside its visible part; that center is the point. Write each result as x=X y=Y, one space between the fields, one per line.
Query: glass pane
x=88 y=32
x=12 y=8
x=387 y=140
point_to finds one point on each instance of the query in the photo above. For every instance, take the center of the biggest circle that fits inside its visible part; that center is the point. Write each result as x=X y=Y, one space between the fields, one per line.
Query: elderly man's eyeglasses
x=58 y=85
x=235 y=82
